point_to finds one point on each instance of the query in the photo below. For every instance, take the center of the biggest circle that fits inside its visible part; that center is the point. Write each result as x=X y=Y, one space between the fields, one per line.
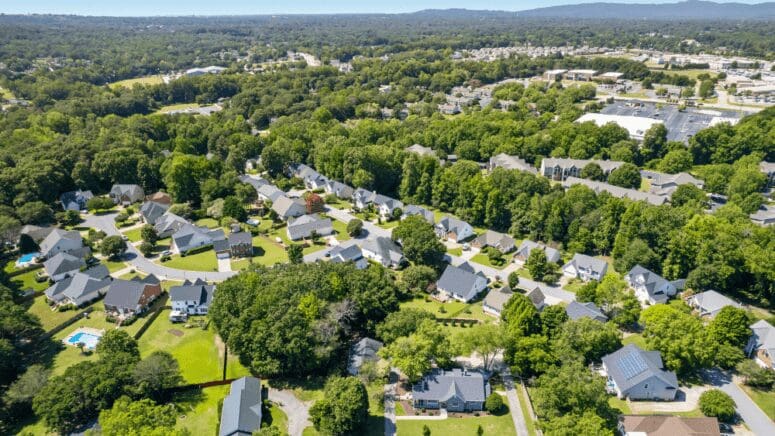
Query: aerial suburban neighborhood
x=359 y=219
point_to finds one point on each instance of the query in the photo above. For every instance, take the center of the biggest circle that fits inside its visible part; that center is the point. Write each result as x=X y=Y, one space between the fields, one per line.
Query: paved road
x=390 y=407
x=753 y=416
x=107 y=224
x=296 y=410
x=516 y=412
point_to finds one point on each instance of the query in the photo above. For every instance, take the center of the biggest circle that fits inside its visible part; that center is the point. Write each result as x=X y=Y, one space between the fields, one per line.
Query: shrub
x=718 y=404
x=493 y=403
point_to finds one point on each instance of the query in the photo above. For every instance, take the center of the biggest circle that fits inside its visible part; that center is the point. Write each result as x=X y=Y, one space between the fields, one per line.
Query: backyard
x=483 y=259
x=48 y=318
x=199 y=351
x=204 y=261
x=451 y=309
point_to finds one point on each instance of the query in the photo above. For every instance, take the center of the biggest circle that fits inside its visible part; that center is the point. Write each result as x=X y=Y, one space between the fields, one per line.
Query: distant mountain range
x=687 y=10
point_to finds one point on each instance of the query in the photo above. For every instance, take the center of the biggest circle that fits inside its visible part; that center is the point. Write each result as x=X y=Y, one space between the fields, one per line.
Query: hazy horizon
x=146 y=8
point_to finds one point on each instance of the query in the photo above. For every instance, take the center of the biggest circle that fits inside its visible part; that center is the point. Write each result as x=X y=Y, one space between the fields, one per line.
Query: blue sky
x=243 y=7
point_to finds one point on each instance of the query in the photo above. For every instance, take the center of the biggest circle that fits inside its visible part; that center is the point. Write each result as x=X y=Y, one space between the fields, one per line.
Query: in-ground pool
x=88 y=339
x=26 y=259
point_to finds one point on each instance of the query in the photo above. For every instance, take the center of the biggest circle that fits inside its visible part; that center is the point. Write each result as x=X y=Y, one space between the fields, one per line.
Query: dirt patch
x=175 y=332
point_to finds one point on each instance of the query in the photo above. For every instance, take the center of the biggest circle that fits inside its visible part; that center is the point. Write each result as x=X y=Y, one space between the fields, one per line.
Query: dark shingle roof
x=241 y=411
x=63 y=263
x=125 y=294
x=192 y=292
x=439 y=385
x=458 y=280
x=576 y=310
x=630 y=365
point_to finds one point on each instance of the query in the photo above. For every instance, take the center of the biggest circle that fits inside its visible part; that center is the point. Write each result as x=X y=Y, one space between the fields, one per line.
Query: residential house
x=255 y=181
x=461 y=282
x=537 y=297
x=421 y=150
x=287 y=208
x=639 y=375
x=496 y=300
x=240 y=244
x=350 y=253
x=128 y=298
x=768 y=169
x=190 y=237
x=762 y=344
x=562 y=168
x=386 y=205
x=75 y=200
x=523 y=252
x=339 y=189
x=453 y=229
x=168 y=224
x=81 y=287
x=667 y=425
x=384 y=251
x=241 y=411
x=666 y=184
x=710 y=303
x=412 y=210
x=303 y=226
x=764 y=216
x=151 y=211
x=576 y=311
x=585 y=268
x=269 y=192
x=190 y=299
x=36 y=233
x=649 y=287
x=508 y=162
x=126 y=194
x=311 y=178
x=62 y=266
x=362 y=198
x=617 y=191
x=503 y=242
x=361 y=352
x=457 y=390
x=160 y=197
x=60 y=241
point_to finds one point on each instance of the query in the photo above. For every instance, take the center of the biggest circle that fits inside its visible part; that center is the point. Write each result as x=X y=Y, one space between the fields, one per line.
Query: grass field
x=204 y=261
x=176 y=107
x=277 y=418
x=210 y=223
x=492 y=425
x=129 y=83
x=452 y=309
x=341 y=230
x=48 y=318
x=764 y=399
x=455 y=251
x=198 y=354
x=198 y=409
x=483 y=259
x=690 y=73
x=267 y=252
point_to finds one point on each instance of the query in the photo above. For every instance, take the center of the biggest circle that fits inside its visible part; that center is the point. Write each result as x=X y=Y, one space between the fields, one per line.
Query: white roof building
x=635 y=126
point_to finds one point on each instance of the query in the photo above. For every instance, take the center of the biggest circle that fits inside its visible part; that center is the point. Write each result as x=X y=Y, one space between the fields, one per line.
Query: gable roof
x=364 y=195
x=617 y=191
x=418 y=210
x=125 y=294
x=169 y=222
x=440 y=385
x=80 y=284
x=552 y=255
x=363 y=351
x=459 y=280
x=583 y=261
x=498 y=240
x=63 y=263
x=536 y=297
x=385 y=248
x=497 y=298
x=56 y=236
x=270 y=191
x=339 y=189
x=152 y=210
x=384 y=200
x=201 y=293
x=287 y=207
x=763 y=336
x=190 y=236
x=160 y=197
x=240 y=238
x=303 y=226
x=561 y=162
x=37 y=233
x=241 y=411
x=452 y=225
x=666 y=425
x=649 y=280
x=75 y=200
x=711 y=301
x=508 y=162
x=576 y=310
x=630 y=365
x=346 y=254
x=128 y=190
x=421 y=150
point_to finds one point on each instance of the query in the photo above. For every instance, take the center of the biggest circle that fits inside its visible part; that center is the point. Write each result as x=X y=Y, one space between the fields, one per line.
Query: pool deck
x=88 y=330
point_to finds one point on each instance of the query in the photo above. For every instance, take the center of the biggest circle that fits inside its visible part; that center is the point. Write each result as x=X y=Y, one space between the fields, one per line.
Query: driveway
x=753 y=416
x=390 y=405
x=516 y=412
x=686 y=400
x=296 y=410
x=107 y=224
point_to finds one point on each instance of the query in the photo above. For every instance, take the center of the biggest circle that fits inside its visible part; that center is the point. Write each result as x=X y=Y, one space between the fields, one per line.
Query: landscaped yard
x=622 y=405
x=492 y=425
x=452 y=309
x=204 y=261
x=27 y=280
x=341 y=230
x=266 y=252
x=48 y=318
x=198 y=409
x=114 y=265
x=764 y=399
x=277 y=418
x=134 y=234
x=210 y=223
x=197 y=350
x=455 y=251
x=483 y=259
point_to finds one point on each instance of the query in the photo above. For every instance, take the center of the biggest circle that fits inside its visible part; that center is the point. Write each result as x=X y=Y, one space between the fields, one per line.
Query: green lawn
x=455 y=251
x=114 y=265
x=492 y=425
x=574 y=285
x=48 y=318
x=204 y=261
x=389 y=224
x=176 y=107
x=129 y=83
x=483 y=259
x=376 y=421
x=637 y=339
x=134 y=234
x=341 y=230
x=199 y=356
x=198 y=409
x=452 y=309
x=210 y=223
x=622 y=405
x=27 y=280
x=277 y=418
x=764 y=399
x=266 y=252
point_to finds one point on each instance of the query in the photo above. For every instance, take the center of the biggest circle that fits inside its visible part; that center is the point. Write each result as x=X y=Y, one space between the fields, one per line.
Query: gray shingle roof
x=504 y=160
x=418 y=210
x=585 y=262
x=497 y=298
x=75 y=200
x=460 y=281
x=527 y=246
x=129 y=192
x=190 y=236
x=63 y=263
x=576 y=310
x=56 y=236
x=440 y=385
x=252 y=181
x=80 y=285
x=649 y=280
x=125 y=294
x=388 y=250
x=347 y=254
x=363 y=351
x=271 y=192
x=630 y=365
x=201 y=293
x=240 y=238
x=151 y=211
x=763 y=336
x=617 y=191
x=501 y=241
x=450 y=224
x=169 y=223
x=303 y=226
x=241 y=412
x=711 y=301
x=288 y=207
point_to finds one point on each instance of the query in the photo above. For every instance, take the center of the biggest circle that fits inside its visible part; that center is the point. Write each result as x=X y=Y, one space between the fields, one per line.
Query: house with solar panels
x=639 y=375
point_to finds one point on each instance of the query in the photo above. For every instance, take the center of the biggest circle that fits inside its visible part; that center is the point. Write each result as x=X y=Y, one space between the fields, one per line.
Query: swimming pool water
x=29 y=257
x=88 y=339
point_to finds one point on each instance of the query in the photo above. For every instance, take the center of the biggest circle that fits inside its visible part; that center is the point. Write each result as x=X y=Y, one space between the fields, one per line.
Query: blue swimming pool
x=88 y=339
x=29 y=257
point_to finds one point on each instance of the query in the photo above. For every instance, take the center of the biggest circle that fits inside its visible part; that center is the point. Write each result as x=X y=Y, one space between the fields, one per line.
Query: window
x=646 y=386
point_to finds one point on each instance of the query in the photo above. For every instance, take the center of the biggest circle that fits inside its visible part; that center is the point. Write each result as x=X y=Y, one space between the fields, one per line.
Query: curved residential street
x=107 y=224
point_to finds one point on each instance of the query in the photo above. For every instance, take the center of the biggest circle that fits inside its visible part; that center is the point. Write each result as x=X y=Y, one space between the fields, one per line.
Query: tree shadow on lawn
x=186 y=401
x=311 y=383
x=258 y=251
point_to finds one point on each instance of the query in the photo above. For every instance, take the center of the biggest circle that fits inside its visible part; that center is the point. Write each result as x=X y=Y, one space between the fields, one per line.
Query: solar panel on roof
x=632 y=364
